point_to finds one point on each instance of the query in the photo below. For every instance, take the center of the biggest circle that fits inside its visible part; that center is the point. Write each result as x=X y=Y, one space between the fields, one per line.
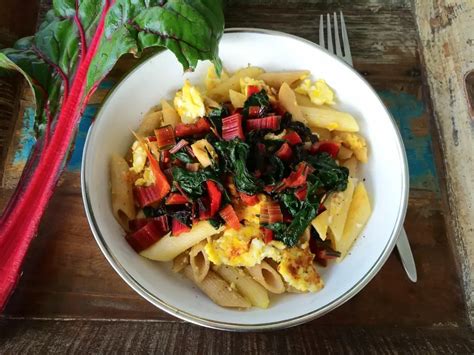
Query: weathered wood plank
x=446 y=31
x=21 y=336
x=66 y=276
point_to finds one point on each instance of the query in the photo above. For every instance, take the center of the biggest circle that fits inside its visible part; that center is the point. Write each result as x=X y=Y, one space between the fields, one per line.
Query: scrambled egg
x=242 y=248
x=189 y=104
x=355 y=142
x=212 y=80
x=138 y=157
x=319 y=92
x=147 y=179
x=298 y=270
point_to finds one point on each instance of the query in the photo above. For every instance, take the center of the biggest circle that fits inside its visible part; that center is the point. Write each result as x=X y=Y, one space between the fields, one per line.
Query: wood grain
x=84 y=306
x=84 y=337
x=446 y=30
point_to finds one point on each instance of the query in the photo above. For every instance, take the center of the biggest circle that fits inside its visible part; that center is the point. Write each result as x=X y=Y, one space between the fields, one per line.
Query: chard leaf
x=234 y=155
x=75 y=47
x=330 y=175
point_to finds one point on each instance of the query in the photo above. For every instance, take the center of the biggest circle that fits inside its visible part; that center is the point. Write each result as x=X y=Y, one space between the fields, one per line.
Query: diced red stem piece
x=215 y=196
x=267 y=235
x=293 y=138
x=182 y=143
x=232 y=127
x=301 y=192
x=165 y=137
x=269 y=122
x=186 y=130
x=146 y=236
x=271 y=213
x=254 y=111
x=285 y=152
x=252 y=89
x=176 y=199
x=177 y=227
x=161 y=221
x=230 y=217
x=249 y=200
x=332 y=148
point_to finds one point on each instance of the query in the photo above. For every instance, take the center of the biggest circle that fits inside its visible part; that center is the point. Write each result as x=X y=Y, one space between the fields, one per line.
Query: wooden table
x=70 y=299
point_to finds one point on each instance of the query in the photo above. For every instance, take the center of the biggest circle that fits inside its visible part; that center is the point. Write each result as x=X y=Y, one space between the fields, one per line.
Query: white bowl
x=159 y=77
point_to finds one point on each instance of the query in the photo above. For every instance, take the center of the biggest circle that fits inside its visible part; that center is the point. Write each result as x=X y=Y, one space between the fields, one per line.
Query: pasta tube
x=218 y=290
x=246 y=285
x=123 y=206
x=199 y=261
x=267 y=276
x=168 y=247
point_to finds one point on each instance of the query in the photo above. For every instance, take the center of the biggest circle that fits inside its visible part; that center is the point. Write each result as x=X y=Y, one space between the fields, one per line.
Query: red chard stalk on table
x=75 y=47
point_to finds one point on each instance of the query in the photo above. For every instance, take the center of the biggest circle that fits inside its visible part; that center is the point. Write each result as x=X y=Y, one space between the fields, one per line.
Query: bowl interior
x=160 y=77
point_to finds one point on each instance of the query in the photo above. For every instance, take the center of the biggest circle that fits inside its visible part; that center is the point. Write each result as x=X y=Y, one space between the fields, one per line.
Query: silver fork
x=403 y=245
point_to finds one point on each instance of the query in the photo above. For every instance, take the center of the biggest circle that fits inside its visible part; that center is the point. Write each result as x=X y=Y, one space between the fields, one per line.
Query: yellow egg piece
x=189 y=104
x=147 y=179
x=138 y=158
x=319 y=92
x=298 y=270
x=242 y=248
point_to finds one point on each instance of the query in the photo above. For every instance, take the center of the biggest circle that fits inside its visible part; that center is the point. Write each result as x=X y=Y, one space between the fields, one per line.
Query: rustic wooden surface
x=447 y=30
x=70 y=299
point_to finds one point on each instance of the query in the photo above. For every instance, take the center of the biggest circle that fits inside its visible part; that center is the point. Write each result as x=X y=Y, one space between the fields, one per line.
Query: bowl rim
x=214 y=324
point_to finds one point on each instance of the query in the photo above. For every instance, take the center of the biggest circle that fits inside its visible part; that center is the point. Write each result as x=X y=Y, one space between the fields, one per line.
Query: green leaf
x=234 y=155
x=190 y=29
x=330 y=175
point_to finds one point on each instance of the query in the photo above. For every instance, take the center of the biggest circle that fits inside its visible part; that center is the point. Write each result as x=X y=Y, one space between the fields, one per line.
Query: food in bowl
x=246 y=185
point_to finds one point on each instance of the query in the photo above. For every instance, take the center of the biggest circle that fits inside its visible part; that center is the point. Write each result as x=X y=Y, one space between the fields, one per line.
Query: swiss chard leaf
x=183 y=156
x=234 y=155
x=330 y=175
x=192 y=182
x=216 y=115
x=290 y=234
x=75 y=47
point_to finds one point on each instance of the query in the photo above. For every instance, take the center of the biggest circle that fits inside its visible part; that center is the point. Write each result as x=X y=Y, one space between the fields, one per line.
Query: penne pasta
x=218 y=290
x=344 y=153
x=338 y=207
x=123 y=206
x=287 y=99
x=170 y=116
x=268 y=277
x=221 y=91
x=199 y=261
x=245 y=284
x=168 y=247
x=351 y=164
x=151 y=121
x=181 y=261
x=325 y=117
x=237 y=99
x=276 y=79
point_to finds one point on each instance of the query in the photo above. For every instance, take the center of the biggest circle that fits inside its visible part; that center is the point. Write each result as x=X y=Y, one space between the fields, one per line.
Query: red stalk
x=17 y=231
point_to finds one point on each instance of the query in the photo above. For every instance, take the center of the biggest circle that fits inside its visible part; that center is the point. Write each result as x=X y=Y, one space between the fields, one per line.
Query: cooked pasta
x=199 y=261
x=268 y=277
x=218 y=290
x=245 y=284
x=150 y=122
x=123 y=206
x=247 y=184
